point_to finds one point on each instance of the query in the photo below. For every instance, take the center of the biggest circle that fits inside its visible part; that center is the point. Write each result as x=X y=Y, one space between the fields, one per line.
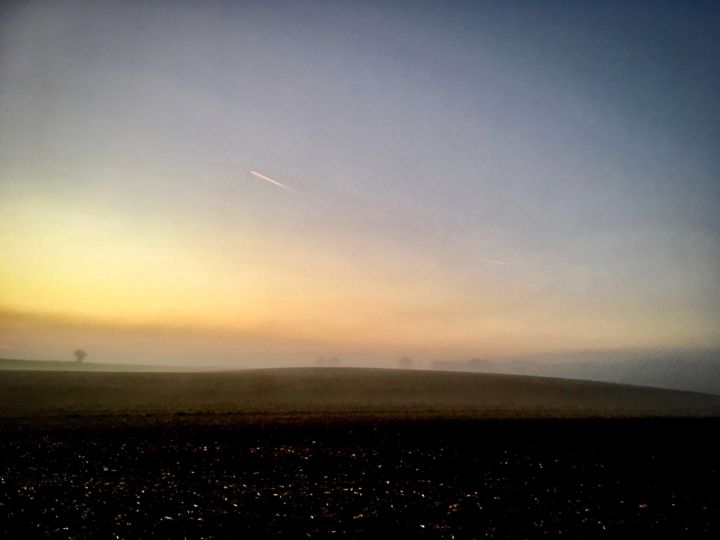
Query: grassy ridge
x=342 y=391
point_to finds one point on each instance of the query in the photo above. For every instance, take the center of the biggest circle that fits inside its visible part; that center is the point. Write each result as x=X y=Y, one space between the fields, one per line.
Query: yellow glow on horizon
x=83 y=264
x=88 y=264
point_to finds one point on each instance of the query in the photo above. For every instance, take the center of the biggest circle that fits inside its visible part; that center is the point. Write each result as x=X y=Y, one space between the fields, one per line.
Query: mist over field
x=694 y=370
x=690 y=370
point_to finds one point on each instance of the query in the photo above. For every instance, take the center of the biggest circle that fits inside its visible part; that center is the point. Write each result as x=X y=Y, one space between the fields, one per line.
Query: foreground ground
x=209 y=476
x=352 y=453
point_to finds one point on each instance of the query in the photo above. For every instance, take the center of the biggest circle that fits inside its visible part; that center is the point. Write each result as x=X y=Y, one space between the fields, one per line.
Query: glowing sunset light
x=468 y=189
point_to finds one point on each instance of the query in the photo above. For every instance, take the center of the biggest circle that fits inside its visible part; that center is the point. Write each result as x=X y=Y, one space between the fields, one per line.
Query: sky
x=254 y=183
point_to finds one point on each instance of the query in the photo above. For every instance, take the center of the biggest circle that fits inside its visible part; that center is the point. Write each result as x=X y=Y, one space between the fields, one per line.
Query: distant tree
x=405 y=362
x=79 y=355
x=479 y=364
x=332 y=361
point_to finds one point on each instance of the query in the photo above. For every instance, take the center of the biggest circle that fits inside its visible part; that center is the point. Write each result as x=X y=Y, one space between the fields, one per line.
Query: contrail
x=495 y=261
x=268 y=179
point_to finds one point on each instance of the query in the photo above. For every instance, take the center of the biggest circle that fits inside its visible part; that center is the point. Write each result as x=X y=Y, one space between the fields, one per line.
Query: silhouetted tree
x=79 y=355
x=332 y=361
x=405 y=362
x=478 y=364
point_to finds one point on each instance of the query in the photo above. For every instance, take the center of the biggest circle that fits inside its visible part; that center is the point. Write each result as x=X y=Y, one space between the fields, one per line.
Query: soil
x=240 y=476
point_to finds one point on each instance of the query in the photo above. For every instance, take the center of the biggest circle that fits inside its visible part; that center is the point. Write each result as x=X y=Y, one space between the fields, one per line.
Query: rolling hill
x=337 y=392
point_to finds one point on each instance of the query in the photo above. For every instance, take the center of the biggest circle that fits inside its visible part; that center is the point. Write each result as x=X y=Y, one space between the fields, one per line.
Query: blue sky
x=491 y=178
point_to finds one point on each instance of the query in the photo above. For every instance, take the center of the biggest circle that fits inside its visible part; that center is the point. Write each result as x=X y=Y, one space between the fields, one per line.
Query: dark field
x=337 y=392
x=328 y=471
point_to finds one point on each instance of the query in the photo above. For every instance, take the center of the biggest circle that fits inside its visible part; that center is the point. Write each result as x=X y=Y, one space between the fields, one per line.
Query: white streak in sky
x=495 y=261
x=268 y=179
